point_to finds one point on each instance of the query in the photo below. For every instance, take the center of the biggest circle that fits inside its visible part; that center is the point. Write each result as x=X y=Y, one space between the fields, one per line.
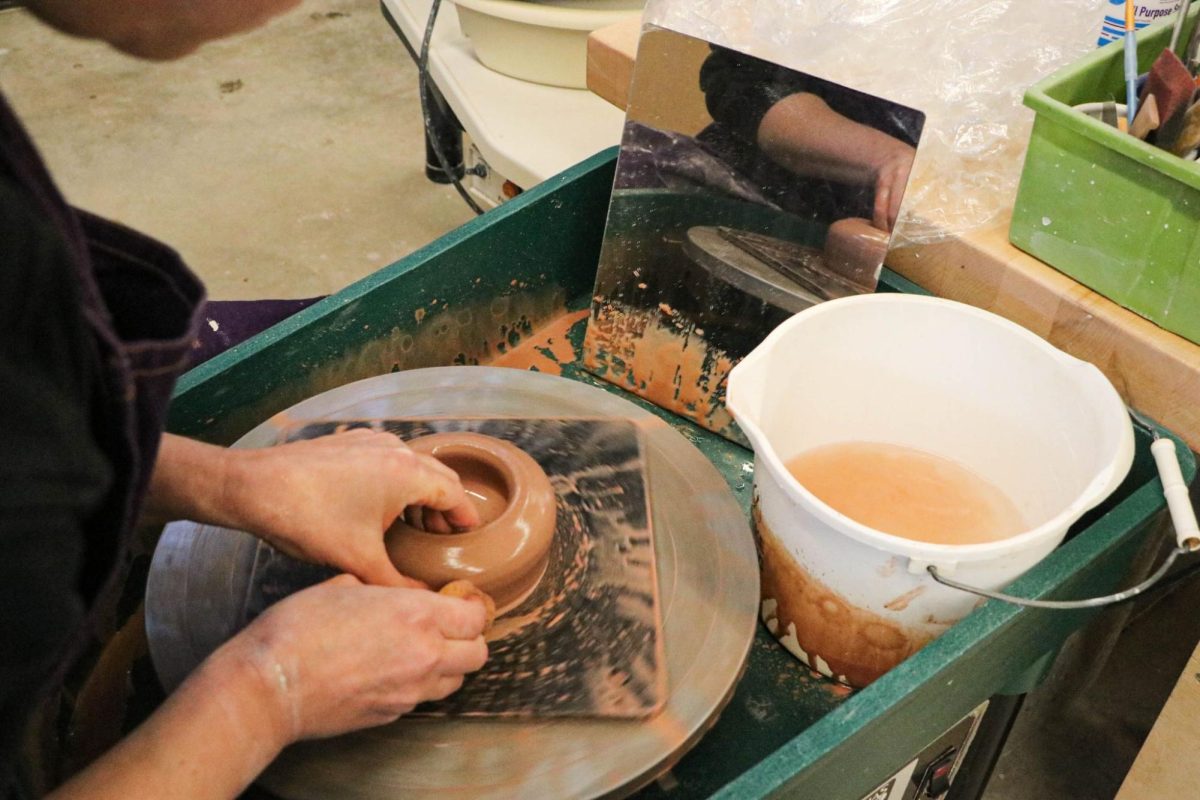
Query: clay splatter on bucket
x=820 y=627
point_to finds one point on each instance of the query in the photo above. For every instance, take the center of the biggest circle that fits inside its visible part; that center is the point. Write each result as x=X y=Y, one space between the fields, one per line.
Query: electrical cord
x=423 y=85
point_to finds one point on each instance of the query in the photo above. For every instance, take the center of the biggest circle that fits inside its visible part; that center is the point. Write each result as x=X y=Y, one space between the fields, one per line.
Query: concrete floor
x=284 y=163
x=289 y=163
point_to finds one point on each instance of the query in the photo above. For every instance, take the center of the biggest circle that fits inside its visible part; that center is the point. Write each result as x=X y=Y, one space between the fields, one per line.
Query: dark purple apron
x=143 y=308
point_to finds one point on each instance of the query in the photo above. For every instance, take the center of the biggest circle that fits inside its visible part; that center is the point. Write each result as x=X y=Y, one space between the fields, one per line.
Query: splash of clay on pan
x=474 y=331
x=547 y=350
x=658 y=355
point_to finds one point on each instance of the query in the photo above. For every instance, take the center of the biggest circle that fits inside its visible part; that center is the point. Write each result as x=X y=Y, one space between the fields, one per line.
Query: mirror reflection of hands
x=803 y=134
x=891 y=179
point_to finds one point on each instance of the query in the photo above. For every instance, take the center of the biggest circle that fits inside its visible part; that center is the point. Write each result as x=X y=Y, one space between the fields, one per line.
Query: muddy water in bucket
x=873 y=396
x=907 y=492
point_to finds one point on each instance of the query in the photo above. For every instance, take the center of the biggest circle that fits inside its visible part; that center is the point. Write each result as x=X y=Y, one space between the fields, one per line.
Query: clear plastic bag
x=965 y=63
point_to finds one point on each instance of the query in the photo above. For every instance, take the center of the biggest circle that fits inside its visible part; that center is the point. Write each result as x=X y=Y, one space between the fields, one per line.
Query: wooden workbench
x=1155 y=371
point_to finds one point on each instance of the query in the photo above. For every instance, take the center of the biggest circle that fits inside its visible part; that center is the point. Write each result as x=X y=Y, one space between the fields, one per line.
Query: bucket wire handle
x=1183 y=519
x=1091 y=602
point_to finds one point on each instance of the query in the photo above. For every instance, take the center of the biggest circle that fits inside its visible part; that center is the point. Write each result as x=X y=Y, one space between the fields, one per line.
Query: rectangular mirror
x=745 y=192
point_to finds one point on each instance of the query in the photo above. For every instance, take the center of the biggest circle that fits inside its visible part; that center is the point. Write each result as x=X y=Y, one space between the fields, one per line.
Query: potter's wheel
x=708 y=581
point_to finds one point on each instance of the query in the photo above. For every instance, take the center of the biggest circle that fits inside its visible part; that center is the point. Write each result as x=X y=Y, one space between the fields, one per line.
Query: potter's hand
x=327 y=500
x=330 y=659
x=341 y=656
x=891 y=178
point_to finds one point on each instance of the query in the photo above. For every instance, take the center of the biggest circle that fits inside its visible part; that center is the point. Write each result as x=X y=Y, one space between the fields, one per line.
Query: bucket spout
x=746 y=397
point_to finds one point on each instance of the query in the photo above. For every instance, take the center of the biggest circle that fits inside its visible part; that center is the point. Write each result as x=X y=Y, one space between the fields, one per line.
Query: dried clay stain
x=667 y=362
x=820 y=627
x=900 y=603
x=440 y=339
x=547 y=350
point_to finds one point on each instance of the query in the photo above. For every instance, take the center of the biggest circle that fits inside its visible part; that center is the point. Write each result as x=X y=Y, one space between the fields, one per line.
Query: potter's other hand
x=329 y=500
x=340 y=656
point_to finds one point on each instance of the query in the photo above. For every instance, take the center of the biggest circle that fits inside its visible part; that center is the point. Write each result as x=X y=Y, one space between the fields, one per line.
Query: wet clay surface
x=506 y=555
x=588 y=640
x=818 y=625
x=487 y=484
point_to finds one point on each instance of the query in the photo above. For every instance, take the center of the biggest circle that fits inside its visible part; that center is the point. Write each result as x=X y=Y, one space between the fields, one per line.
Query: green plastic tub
x=479 y=291
x=1115 y=213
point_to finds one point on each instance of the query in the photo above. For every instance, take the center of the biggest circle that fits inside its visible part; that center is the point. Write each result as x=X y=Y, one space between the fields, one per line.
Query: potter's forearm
x=190 y=481
x=326 y=500
x=803 y=134
x=210 y=739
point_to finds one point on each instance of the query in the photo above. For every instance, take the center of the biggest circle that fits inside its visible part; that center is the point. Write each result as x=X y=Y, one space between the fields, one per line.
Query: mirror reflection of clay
x=855 y=248
x=507 y=554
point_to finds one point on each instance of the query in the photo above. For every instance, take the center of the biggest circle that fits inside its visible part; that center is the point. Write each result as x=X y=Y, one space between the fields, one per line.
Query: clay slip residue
x=547 y=350
x=658 y=355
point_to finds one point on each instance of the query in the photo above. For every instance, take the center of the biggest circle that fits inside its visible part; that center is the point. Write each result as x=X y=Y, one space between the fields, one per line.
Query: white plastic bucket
x=1047 y=429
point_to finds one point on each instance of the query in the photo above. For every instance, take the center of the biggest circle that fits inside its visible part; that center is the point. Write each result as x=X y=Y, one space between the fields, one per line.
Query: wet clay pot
x=507 y=554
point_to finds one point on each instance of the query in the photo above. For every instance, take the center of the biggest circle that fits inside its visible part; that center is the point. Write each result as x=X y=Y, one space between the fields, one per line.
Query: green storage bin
x=1115 y=213
x=786 y=731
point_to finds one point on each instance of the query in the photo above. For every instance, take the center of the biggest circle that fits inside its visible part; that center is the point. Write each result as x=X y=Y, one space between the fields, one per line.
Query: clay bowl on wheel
x=507 y=554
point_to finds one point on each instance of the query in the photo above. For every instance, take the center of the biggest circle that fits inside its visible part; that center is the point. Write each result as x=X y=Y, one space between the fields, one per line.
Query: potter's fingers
x=435 y=522
x=345 y=579
x=380 y=571
x=444 y=686
x=355 y=434
x=440 y=468
x=433 y=490
x=883 y=199
x=414 y=517
x=368 y=437
x=457 y=618
x=461 y=657
x=463 y=517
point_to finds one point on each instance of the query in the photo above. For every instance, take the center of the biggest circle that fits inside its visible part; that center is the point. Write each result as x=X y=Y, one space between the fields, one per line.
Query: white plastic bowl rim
x=1103 y=483
x=577 y=16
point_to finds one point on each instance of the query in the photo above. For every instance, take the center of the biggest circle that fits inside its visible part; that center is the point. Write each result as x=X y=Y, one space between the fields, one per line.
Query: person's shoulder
x=33 y=253
x=48 y=365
